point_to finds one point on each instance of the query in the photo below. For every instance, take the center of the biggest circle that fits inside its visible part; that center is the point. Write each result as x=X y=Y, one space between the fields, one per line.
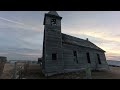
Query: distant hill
x=113 y=62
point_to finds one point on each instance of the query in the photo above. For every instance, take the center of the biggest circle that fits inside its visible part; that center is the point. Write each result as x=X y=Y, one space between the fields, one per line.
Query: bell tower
x=52 y=20
x=52 y=44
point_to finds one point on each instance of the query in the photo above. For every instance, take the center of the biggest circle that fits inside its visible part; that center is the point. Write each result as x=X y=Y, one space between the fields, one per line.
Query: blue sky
x=21 y=32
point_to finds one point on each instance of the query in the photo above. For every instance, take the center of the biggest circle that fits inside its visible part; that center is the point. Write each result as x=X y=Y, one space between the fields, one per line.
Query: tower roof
x=53 y=13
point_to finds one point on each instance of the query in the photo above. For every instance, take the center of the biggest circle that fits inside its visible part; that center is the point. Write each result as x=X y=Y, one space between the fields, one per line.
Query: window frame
x=98 y=58
x=53 y=21
x=54 y=56
x=75 y=56
x=88 y=57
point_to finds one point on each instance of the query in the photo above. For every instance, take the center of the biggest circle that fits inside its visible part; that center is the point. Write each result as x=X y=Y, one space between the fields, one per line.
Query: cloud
x=21 y=53
x=20 y=40
x=108 y=41
x=12 y=21
x=19 y=43
x=20 y=25
x=113 y=56
x=25 y=30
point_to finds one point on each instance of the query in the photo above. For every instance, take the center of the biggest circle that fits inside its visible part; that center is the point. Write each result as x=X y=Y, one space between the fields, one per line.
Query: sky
x=21 y=32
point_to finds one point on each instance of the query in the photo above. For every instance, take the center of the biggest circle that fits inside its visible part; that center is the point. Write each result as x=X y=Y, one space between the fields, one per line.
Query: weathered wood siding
x=69 y=62
x=53 y=45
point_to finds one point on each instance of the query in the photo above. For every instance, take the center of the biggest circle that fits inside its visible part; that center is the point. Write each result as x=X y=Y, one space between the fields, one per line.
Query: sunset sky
x=21 y=32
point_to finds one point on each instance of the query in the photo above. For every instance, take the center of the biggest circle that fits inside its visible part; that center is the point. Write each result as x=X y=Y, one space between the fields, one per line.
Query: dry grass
x=8 y=71
x=34 y=72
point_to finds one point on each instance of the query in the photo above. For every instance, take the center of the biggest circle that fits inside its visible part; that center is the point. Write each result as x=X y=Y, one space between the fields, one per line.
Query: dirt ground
x=34 y=72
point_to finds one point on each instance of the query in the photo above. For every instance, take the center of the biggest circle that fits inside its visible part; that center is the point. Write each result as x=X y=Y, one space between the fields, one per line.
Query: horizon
x=21 y=32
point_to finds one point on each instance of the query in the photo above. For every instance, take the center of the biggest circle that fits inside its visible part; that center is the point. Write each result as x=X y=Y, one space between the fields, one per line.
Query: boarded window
x=98 y=56
x=75 y=56
x=54 y=56
x=88 y=57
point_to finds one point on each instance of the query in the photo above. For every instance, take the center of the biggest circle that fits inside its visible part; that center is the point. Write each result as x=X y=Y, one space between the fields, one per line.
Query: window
x=54 y=56
x=53 y=22
x=75 y=53
x=75 y=56
x=98 y=56
x=88 y=58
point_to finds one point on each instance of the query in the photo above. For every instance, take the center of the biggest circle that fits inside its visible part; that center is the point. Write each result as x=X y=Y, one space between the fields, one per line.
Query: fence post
x=88 y=72
x=26 y=65
x=14 y=72
x=21 y=74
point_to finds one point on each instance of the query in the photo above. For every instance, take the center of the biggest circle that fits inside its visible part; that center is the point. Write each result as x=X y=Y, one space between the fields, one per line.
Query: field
x=34 y=72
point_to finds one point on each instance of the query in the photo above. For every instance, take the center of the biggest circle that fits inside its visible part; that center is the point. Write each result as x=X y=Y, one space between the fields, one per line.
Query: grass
x=34 y=72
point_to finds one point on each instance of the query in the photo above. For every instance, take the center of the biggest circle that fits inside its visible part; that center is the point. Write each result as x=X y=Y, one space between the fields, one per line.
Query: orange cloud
x=106 y=40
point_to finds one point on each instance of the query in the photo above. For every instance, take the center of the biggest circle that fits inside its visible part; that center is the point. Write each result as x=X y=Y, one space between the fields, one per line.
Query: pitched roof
x=80 y=42
x=53 y=13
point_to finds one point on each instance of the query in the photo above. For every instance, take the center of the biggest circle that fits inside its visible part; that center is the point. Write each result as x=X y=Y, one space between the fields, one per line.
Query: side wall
x=70 y=64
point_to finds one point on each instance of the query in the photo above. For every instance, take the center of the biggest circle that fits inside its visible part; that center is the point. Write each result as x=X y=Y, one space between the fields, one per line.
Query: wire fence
x=20 y=69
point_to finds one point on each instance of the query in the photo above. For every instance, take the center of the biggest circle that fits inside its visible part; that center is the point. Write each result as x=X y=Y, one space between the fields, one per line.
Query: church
x=64 y=53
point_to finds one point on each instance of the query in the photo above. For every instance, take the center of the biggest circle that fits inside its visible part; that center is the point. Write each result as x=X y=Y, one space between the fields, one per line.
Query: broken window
x=54 y=56
x=98 y=56
x=88 y=58
x=53 y=22
x=75 y=56
x=75 y=53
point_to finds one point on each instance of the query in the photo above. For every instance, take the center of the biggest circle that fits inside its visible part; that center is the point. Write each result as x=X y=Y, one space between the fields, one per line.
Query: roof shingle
x=80 y=42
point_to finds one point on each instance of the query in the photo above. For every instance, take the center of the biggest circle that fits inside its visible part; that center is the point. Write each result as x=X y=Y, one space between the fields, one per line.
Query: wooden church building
x=65 y=53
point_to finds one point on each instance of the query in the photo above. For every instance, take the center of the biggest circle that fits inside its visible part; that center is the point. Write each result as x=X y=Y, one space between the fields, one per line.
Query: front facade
x=65 y=53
